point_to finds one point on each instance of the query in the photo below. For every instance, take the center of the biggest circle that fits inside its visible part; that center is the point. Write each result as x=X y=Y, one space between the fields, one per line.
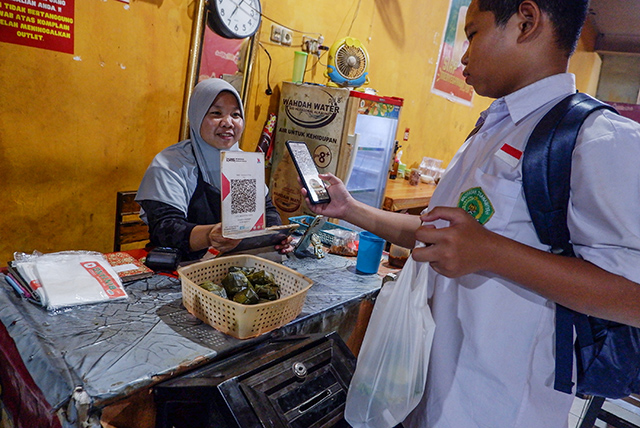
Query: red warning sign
x=45 y=24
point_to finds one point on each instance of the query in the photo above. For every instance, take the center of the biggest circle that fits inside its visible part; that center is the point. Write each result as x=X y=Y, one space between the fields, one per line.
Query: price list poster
x=44 y=24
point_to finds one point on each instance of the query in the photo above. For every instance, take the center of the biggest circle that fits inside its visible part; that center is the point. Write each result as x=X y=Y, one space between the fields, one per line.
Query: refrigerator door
x=376 y=126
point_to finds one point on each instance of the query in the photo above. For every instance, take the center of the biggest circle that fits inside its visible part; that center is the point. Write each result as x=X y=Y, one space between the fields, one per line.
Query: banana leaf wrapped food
x=214 y=288
x=267 y=291
x=248 y=296
x=235 y=282
x=244 y=269
x=261 y=277
x=246 y=286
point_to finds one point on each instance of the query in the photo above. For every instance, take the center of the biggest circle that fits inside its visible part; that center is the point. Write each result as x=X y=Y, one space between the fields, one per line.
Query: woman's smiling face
x=223 y=123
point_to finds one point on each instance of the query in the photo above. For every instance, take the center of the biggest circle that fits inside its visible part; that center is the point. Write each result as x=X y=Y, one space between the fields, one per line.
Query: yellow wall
x=75 y=129
x=403 y=40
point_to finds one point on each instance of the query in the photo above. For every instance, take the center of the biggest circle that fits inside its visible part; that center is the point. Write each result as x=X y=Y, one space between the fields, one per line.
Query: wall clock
x=234 y=19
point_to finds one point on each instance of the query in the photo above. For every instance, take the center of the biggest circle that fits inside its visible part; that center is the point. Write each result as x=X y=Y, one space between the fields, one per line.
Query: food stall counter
x=102 y=353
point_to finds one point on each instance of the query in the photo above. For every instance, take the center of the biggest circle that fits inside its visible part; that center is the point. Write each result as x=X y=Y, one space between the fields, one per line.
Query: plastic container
x=345 y=242
x=398 y=255
x=369 y=253
x=414 y=178
x=299 y=66
x=430 y=166
x=402 y=171
x=235 y=319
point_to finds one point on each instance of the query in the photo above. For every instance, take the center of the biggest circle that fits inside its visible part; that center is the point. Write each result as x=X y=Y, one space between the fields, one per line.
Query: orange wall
x=403 y=40
x=75 y=129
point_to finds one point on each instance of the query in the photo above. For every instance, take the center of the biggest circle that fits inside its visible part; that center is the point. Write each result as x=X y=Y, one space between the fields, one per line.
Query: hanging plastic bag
x=391 y=371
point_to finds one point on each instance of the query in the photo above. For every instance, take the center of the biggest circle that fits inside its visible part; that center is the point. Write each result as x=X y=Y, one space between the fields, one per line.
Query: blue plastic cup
x=369 y=253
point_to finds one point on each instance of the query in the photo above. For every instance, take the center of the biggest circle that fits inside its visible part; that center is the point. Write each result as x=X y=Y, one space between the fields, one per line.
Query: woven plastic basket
x=235 y=319
x=324 y=234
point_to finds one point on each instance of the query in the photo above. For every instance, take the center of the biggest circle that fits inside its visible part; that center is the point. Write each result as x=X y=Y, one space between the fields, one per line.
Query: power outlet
x=287 y=37
x=310 y=45
x=276 y=33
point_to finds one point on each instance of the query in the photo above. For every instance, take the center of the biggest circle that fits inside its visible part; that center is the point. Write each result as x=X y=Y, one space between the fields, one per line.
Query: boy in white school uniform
x=495 y=284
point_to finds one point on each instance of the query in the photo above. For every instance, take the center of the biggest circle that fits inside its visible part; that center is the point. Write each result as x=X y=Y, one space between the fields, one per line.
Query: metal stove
x=292 y=382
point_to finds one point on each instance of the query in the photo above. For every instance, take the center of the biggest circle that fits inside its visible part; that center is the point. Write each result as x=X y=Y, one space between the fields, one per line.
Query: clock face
x=235 y=19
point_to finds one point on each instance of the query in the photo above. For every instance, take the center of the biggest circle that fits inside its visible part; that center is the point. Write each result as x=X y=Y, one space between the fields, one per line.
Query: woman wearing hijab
x=180 y=191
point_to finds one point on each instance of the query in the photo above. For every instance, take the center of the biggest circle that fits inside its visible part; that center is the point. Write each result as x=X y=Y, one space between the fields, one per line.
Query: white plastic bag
x=69 y=278
x=392 y=365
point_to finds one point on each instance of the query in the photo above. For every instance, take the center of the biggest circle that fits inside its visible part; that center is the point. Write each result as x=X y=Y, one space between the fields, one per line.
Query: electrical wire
x=268 y=91
x=285 y=26
x=355 y=15
x=316 y=62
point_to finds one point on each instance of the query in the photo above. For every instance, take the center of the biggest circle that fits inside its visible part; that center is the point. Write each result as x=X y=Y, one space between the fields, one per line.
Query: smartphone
x=273 y=235
x=306 y=167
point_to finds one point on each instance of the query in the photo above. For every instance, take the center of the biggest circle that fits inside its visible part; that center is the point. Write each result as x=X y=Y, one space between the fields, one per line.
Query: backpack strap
x=546 y=174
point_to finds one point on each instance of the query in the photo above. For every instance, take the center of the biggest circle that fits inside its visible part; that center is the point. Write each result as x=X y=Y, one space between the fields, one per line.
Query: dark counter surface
x=114 y=349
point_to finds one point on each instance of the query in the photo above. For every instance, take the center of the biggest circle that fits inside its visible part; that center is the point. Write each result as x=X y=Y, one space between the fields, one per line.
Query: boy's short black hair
x=567 y=16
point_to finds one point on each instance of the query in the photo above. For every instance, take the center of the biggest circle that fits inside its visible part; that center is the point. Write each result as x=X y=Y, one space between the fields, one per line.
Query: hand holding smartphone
x=306 y=168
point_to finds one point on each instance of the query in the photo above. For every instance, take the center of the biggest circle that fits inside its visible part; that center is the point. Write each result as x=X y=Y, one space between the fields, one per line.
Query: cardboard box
x=315 y=115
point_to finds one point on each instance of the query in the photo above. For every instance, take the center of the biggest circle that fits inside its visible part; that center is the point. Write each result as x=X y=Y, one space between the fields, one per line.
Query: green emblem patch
x=475 y=202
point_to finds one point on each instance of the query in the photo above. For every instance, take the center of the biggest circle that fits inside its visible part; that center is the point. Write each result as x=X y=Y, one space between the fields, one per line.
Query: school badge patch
x=475 y=202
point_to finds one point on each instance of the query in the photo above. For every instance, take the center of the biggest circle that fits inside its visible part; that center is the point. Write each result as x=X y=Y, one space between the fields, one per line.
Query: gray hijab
x=202 y=97
x=172 y=176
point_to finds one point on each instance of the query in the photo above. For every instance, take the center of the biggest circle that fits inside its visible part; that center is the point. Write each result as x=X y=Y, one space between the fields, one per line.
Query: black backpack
x=608 y=353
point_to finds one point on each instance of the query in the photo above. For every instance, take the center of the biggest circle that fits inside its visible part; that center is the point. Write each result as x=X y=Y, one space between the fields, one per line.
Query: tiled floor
x=620 y=408
x=576 y=411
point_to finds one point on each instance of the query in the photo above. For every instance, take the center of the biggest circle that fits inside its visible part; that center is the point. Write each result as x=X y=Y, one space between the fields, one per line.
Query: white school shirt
x=492 y=362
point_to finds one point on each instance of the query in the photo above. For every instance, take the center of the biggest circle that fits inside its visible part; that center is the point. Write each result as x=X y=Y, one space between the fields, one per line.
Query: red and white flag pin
x=509 y=154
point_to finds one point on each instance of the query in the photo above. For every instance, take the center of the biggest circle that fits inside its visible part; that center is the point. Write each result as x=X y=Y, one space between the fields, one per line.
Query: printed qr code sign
x=243 y=196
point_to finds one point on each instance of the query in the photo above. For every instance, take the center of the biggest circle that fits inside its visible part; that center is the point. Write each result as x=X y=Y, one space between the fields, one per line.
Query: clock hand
x=236 y=9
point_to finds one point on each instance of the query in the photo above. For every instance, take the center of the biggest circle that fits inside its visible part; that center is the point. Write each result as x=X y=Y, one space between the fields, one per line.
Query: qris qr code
x=243 y=196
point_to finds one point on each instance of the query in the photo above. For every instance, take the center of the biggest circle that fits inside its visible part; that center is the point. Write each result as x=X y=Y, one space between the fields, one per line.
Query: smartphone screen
x=303 y=161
